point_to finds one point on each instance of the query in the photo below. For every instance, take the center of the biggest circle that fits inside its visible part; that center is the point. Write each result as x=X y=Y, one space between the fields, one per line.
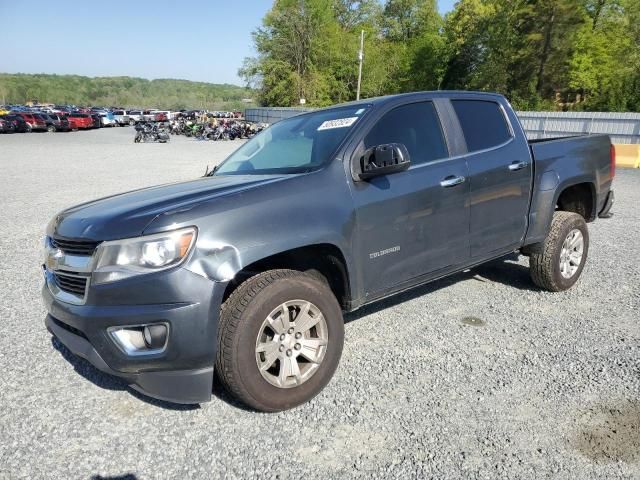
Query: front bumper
x=187 y=302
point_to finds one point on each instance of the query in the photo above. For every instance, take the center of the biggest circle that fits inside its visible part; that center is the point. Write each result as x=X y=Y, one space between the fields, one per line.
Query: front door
x=417 y=221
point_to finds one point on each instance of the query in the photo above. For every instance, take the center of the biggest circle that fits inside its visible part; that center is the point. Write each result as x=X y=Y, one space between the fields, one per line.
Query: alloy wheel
x=571 y=253
x=291 y=343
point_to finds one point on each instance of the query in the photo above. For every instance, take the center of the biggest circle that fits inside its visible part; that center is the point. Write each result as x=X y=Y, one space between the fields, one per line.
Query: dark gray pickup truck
x=247 y=271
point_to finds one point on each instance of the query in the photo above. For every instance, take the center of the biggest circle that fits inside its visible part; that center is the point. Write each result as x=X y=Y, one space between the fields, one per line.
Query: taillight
x=613 y=160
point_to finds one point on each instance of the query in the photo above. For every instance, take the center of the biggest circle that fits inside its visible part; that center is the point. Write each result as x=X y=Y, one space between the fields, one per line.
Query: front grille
x=71 y=283
x=75 y=247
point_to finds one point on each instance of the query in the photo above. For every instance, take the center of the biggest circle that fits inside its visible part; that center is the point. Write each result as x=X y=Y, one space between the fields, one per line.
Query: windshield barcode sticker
x=339 y=123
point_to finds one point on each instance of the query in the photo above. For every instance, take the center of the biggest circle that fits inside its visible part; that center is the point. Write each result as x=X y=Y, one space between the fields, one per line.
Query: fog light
x=155 y=336
x=140 y=339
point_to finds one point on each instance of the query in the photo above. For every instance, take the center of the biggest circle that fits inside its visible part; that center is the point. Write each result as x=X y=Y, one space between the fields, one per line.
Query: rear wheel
x=556 y=264
x=51 y=128
x=280 y=340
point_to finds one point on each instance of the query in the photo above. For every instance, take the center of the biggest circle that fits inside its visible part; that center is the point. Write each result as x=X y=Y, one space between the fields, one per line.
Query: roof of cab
x=374 y=101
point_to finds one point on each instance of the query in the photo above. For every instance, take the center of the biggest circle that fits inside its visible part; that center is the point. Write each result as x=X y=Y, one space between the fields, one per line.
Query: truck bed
x=583 y=152
x=568 y=161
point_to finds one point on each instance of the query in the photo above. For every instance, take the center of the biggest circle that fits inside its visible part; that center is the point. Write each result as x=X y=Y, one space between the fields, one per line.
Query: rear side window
x=482 y=122
x=415 y=125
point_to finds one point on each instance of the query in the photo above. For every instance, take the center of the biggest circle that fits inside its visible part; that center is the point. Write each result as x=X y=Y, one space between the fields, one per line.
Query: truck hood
x=127 y=214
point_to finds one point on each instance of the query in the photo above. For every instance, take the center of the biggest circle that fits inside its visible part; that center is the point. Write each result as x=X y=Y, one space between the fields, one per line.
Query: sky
x=201 y=40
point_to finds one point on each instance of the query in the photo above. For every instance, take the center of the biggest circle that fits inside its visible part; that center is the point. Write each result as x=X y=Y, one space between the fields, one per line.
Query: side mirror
x=383 y=160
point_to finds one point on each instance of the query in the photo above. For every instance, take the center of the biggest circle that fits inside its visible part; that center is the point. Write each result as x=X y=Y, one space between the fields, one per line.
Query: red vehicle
x=35 y=123
x=80 y=121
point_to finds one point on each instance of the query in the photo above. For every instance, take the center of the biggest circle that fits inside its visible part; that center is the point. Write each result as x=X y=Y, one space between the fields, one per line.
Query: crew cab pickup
x=249 y=269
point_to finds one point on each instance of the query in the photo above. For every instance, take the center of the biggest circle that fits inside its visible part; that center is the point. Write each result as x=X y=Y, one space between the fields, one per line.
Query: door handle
x=452 y=181
x=517 y=165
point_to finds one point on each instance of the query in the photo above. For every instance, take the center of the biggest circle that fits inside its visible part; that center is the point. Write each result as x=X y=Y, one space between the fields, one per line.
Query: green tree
x=596 y=71
x=292 y=45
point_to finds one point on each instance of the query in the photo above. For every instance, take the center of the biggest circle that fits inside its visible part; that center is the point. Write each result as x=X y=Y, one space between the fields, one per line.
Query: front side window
x=416 y=126
x=483 y=123
x=294 y=145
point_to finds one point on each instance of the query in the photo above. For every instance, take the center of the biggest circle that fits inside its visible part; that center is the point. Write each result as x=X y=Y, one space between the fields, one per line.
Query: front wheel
x=556 y=264
x=280 y=340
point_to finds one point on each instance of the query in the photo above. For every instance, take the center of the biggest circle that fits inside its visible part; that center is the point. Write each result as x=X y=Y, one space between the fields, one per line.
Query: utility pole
x=360 y=57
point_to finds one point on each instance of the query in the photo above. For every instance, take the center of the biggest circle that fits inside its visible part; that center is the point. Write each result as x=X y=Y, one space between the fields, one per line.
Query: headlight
x=119 y=259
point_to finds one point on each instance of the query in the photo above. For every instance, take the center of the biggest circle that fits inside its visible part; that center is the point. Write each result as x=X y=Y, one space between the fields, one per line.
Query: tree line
x=121 y=91
x=542 y=54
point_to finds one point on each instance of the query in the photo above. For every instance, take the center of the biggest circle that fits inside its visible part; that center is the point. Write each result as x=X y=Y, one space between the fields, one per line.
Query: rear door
x=413 y=222
x=500 y=173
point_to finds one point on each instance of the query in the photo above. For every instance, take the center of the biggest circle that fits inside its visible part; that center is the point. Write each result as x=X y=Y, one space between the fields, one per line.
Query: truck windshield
x=295 y=145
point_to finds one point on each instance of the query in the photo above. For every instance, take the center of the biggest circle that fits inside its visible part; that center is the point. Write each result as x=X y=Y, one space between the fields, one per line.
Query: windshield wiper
x=208 y=173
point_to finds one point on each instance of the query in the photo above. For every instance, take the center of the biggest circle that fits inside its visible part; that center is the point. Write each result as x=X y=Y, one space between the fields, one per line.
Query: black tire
x=544 y=261
x=241 y=319
x=51 y=128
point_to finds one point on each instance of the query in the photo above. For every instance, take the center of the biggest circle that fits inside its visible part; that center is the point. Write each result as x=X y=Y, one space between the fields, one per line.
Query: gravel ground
x=479 y=375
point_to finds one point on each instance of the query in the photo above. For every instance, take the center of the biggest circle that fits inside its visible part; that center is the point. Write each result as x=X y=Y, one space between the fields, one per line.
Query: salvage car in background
x=96 y=120
x=58 y=123
x=107 y=119
x=54 y=122
x=19 y=124
x=136 y=116
x=121 y=117
x=80 y=121
x=6 y=126
x=35 y=123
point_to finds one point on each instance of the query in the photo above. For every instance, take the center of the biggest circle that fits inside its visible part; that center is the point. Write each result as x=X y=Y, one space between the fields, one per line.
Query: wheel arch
x=578 y=198
x=576 y=195
x=324 y=260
